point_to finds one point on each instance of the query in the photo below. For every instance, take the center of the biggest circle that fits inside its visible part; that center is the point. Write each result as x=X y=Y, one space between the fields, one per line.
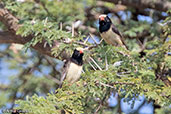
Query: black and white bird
x=73 y=67
x=109 y=32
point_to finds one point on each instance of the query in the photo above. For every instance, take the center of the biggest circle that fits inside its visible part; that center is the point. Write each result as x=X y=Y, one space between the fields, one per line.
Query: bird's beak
x=81 y=51
x=102 y=18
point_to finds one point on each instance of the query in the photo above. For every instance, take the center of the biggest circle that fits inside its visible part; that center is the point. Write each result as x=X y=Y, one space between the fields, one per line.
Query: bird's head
x=104 y=19
x=77 y=56
x=104 y=23
x=78 y=53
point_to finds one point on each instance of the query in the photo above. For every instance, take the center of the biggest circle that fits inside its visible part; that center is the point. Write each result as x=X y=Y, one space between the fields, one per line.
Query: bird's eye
x=107 y=20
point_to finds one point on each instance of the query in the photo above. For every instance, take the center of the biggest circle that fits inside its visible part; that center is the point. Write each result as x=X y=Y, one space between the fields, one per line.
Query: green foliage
x=138 y=79
x=4 y=99
x=65 y=99
x=167 y=24
x=166 y=110
x=42 y=30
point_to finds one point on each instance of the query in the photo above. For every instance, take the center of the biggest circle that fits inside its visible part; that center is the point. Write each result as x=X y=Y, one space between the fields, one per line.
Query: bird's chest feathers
x=110 y=37
x=74 y=72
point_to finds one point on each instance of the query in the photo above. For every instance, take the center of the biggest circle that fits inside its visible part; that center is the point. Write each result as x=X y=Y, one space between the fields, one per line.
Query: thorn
x=91 y=36
x=96 y=63
x=106 y=63
x=85 y=41
x=60 y=25
x=92 y=66
x=45 y=22
x=72 y=29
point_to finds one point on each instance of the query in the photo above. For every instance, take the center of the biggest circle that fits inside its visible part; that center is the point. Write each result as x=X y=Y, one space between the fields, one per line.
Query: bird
x=73 y=67
x=109 y=32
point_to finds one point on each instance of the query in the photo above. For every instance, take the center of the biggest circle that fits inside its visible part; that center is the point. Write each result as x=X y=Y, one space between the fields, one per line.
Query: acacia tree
x=50 y=30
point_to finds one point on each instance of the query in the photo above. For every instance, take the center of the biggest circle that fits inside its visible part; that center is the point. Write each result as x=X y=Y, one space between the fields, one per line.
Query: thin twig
x=91 y=47
x=92 y=66
x=60 y=25
x=139 y=42
x=81 y=43
x=144 y=43
x=123 y=83
x=102 y=101
x=85 y=41
x=91 y=36
x=45 y=22
x=83 y=71
x=100 y=41
x=96 y=63
x=53 y=79
x=73 y=29
x=123 y=73
x=44 y=6
x=106 y=62
x=107 y=85
x=123 y=54
x=94 y=46
x=98 y=108
x=114 y=83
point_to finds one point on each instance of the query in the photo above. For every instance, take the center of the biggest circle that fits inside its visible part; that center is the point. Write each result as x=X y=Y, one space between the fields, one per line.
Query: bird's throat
x=78 y=61
x=104 y=27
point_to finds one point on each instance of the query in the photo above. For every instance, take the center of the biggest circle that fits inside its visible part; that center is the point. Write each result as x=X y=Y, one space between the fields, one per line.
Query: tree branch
x=9 y=37
x=11 y=22
x=161 y=5
x=8 y=19
x=3 y=87
x=115 y=9
x=102 y=101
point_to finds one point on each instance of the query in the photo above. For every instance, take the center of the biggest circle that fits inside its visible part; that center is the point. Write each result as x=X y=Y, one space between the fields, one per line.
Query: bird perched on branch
x=109 y=32
x=73 y=67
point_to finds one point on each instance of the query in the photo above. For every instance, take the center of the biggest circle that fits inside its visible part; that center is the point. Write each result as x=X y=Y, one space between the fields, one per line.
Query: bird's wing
x=65 y=70
x=115 y=30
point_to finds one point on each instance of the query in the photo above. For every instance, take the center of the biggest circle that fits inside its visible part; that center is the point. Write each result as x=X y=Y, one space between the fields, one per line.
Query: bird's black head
x=104 y=23
x=77 y=56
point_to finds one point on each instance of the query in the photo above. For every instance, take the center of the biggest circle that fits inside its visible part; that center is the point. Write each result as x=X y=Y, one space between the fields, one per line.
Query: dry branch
x=11 y=22
x=160 y=5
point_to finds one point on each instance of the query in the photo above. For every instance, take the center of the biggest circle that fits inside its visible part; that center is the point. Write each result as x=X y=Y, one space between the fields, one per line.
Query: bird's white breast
x=111 y=38
x=74 y=72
